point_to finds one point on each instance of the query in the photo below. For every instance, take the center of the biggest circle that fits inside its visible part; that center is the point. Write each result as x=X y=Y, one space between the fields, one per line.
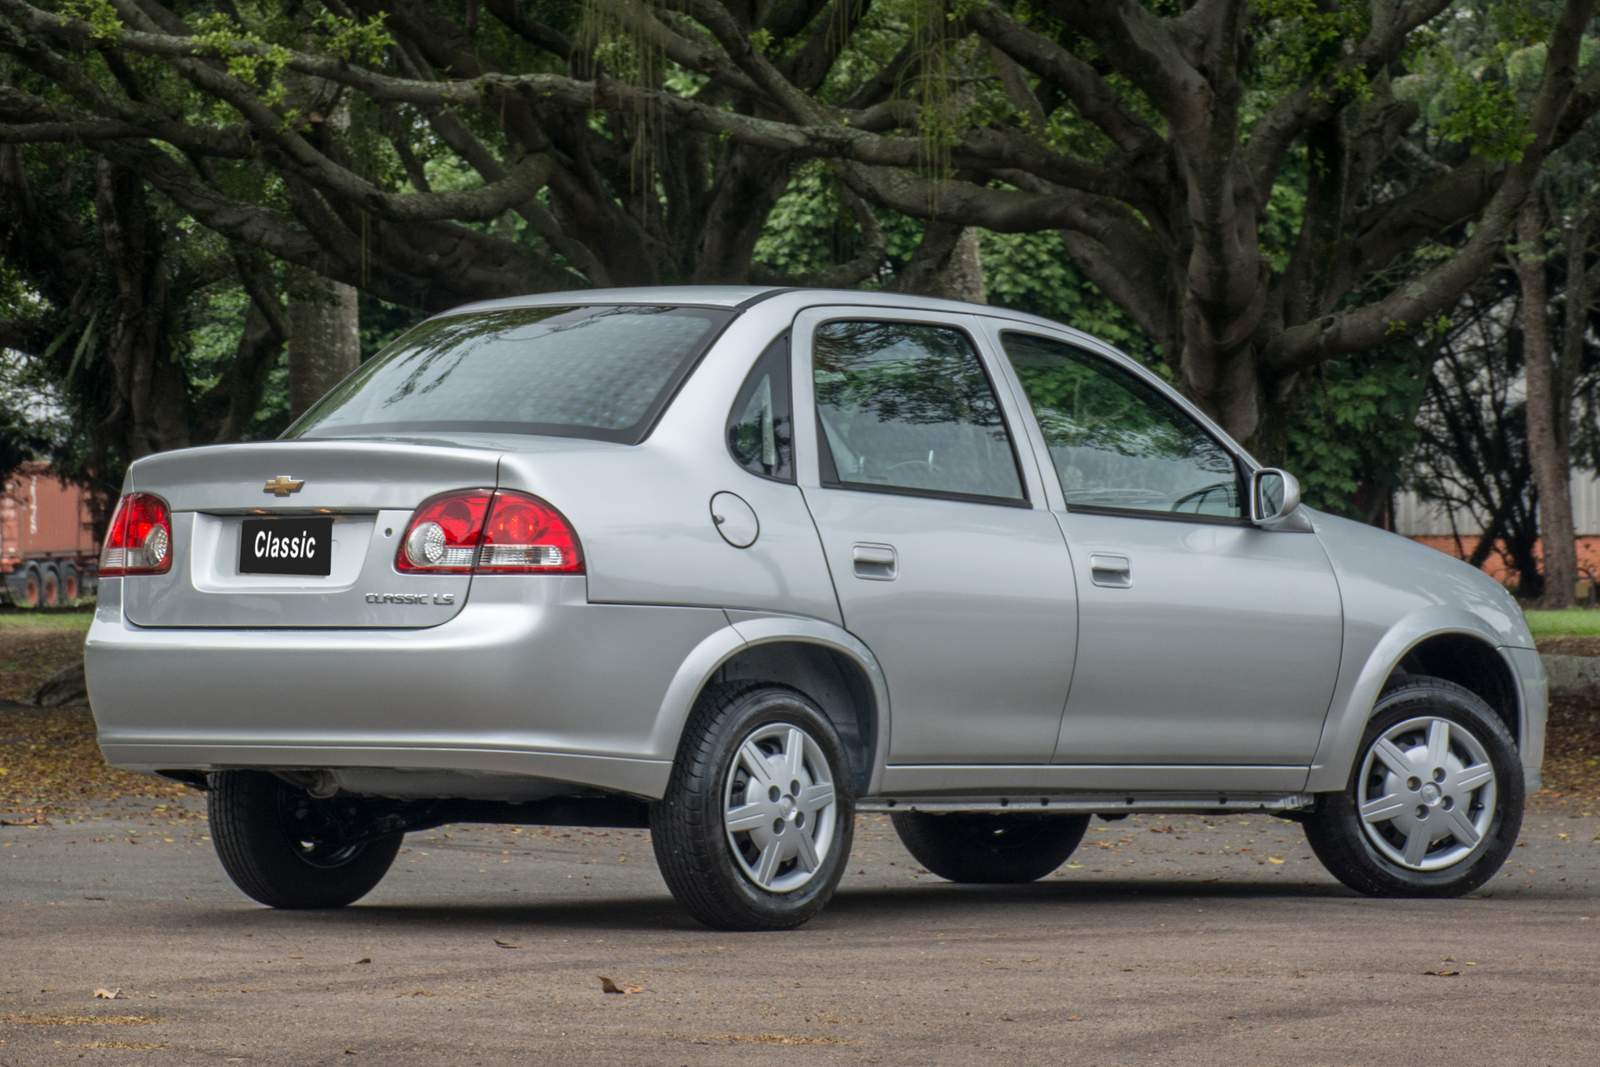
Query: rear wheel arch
x=818 y=659
x=835 y=681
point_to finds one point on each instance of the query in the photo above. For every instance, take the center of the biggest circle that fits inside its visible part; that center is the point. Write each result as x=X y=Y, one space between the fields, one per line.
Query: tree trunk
x=1551 y=470
x=135 y=332
x=945 y=264
x=324 y=337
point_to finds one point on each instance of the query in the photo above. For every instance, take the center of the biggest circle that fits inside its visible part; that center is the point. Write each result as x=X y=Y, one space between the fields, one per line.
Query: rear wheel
x=50 y=586
x=1434 y=802
x=70 y=590
x=978 y=847
x=287 y=849
x=31 y=592
x=755 y=827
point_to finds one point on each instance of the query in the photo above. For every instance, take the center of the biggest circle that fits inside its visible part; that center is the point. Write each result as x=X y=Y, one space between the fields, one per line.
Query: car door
x=947 y=563
x=1203 y=640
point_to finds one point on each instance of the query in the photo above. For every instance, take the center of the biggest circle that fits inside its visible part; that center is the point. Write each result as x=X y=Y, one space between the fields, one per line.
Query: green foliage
x=1483 y=112
x=1352 y=424
x=101 y=15
x=1299 y=41
x=1033 y=273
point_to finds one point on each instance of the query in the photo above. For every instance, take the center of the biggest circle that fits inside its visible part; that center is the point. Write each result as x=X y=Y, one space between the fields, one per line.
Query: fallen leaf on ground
x=52 y=1019
x=764 y=1039
x=362 y=960
x=1276 y=861
x=109 y=994
x=608 y=986
x=506 y=944
x=1441 y=974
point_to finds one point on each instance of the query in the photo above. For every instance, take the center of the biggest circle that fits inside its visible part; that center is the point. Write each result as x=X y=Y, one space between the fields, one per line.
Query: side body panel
x=1212 y=657
x=643 y=513
x=1223 y=649
x=976 y=627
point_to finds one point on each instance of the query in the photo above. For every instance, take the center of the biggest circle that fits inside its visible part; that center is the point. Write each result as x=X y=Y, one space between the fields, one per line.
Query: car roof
x=739 y=297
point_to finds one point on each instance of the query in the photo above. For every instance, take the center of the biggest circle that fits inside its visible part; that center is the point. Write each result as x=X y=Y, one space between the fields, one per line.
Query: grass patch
x=47 y=619
x=1574 y=622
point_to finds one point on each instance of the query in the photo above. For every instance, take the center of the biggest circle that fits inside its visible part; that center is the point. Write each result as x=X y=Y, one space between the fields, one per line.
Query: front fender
x=747 y=630
x=1365 y=666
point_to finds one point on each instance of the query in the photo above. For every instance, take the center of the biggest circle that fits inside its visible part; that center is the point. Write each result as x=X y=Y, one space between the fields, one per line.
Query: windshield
x=601 y=371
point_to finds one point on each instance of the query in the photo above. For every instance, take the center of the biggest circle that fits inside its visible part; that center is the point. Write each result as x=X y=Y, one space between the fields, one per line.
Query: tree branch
x=1438 y=288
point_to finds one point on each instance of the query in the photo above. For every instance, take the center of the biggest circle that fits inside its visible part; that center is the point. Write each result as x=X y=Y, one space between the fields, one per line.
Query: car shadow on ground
x=923 y=903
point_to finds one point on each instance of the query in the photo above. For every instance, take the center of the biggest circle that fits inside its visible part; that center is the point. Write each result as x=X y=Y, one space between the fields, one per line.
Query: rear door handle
x=1114 y=572
x=874 y=562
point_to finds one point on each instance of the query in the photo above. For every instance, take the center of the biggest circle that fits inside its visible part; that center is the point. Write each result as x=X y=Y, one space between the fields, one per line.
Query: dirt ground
x=1163 y=940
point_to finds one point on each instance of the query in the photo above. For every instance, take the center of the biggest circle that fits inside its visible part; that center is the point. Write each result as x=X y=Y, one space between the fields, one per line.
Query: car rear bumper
x=529 y=679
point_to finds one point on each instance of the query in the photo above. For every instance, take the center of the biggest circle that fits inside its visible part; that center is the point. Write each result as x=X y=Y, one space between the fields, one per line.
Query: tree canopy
x=1259 y=188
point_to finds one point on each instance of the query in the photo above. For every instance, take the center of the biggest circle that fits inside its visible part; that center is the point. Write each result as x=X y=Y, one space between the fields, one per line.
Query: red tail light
x=139 y=540
x=484 y=531
x=444 y=534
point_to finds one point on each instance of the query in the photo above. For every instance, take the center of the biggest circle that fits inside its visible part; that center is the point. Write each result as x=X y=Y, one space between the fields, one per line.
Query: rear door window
x=601 y=371
x=907 y=407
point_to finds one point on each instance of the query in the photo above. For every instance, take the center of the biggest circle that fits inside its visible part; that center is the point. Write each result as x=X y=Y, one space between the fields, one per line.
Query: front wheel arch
x=1360 y=686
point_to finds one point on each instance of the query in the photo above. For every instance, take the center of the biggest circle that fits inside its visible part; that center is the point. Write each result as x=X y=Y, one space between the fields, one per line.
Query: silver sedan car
x=739 y=563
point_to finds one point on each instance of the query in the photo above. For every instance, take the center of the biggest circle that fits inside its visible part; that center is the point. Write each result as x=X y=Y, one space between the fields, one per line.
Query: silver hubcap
x=1426 y=794
x=778 y=807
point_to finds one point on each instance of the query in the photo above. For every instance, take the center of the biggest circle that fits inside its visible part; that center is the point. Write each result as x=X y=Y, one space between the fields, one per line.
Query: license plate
x=286 y=546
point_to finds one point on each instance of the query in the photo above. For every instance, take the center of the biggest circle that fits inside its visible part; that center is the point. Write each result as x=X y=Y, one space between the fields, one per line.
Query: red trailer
x=48 y=550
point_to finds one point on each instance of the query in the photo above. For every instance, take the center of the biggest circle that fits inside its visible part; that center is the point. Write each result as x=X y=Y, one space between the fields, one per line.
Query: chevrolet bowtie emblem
x=282 y=485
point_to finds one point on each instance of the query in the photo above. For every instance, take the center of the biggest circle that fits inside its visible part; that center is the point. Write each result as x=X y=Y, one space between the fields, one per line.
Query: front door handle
x=1114 y=572
x=874 y=562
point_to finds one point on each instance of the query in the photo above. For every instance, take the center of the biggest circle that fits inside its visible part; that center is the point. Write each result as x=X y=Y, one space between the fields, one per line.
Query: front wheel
x=1434 y=802
x=755 y=827
x=990 y=849
x=288 y=849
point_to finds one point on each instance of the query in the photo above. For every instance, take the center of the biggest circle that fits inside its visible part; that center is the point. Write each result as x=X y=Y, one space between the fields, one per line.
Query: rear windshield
x=601 y=371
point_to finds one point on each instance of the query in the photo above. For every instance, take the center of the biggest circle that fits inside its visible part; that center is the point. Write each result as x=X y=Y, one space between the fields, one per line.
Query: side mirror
x=1274 y=494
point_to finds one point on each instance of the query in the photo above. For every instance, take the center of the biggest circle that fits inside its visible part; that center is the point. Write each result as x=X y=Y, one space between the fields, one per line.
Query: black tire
x=687 y=829
x=49 y=586
x=1334 y=826
x=990 y=849
x=252 y=826
x=30 y=590
x=71 y=587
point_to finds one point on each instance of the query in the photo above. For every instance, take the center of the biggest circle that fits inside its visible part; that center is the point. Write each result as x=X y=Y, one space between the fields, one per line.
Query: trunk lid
x=367 y=489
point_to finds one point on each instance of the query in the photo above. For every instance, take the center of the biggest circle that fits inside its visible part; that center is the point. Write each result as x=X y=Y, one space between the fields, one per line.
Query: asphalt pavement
x=1165 y=941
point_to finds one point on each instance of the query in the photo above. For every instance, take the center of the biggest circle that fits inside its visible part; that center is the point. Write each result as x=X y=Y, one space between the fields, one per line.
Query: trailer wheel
x=70 y=590
x=30 y=587
x=50 y=585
